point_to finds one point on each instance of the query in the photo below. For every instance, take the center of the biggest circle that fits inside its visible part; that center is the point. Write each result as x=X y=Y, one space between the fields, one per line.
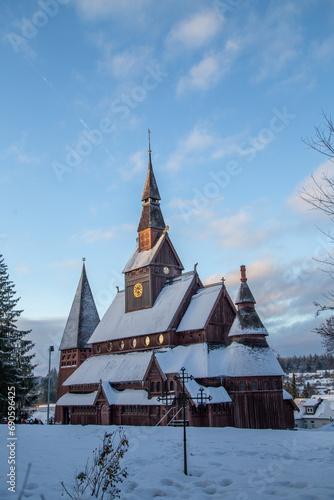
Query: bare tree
x=321 y=197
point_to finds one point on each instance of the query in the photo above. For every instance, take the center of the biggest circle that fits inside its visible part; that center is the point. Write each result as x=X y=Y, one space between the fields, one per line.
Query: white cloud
x=100 y=234
x=71 y=263
x=295 y=202
x=22 y=270
x=94 y=235
x=210 y=70
x=17 y=150
x=197 y=140
x=136 y=164
x=196 y=31
x=103 y=8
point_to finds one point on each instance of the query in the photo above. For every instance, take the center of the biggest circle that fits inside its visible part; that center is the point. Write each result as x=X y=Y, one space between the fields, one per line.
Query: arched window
x=254 y=385
x=265 y=385
x=242 y=386
x=152 y=387
x=158 y=386
x=171 y=385
x=275 y=385
x=232 y=386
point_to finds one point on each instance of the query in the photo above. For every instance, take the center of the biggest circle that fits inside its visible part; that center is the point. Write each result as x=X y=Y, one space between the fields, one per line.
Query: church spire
x=151 y=221
x=151 y=188
x=83 y=317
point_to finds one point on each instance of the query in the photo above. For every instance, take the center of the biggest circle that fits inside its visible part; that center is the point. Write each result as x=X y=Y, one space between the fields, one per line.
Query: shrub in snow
x=100 y=477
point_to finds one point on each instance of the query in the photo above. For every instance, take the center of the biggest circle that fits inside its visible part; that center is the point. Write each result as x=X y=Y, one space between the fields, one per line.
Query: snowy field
x=223 y=463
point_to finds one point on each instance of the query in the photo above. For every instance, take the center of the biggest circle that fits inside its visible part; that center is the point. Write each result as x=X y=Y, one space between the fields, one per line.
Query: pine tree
x=294 y=388
x=16 y=369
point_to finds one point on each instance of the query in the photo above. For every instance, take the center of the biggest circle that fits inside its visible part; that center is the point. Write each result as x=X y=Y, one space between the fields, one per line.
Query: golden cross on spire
x=83 y=259
x=149 y=141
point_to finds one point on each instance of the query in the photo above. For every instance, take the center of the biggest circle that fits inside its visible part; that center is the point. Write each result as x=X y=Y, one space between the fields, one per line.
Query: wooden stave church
x=119 y=370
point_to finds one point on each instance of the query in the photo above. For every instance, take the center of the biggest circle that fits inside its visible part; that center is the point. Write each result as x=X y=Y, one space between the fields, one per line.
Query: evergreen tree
x=294 y=388
x=43 y=387
x=16 y=369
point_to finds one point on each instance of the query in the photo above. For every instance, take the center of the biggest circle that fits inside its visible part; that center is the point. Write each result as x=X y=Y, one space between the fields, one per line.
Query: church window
x=152 y=387
x=158 y=386
x=242 y=386
x=121 y=344
x=265 y=385
x=133 y=343
x=254 y=385
x=109 y=346
x=275 y=385
x=232 y=386
x=160 y=338
x=171 y=385
x=147 y=341
x=98 y=348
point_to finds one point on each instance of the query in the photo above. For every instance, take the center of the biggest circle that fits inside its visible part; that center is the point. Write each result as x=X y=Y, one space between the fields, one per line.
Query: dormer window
x=309 y=410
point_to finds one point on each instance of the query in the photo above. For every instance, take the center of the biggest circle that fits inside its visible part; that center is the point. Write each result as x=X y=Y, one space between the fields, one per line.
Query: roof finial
x=243 y=273
x=149 y=141
x=83 y=259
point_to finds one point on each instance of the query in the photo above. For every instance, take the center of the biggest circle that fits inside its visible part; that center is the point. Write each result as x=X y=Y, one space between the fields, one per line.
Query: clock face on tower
x=138 y=290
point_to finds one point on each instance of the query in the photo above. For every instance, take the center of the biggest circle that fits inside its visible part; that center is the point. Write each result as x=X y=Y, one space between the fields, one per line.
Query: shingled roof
x=83 y=317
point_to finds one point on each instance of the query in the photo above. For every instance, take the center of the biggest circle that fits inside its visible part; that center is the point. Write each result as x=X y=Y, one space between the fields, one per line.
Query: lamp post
x=51 y=348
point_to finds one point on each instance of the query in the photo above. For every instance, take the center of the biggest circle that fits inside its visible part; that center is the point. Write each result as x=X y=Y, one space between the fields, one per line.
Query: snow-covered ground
x=223 y=463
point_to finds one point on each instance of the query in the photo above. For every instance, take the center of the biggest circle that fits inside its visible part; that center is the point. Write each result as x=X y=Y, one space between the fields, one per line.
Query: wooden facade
x=195 y=319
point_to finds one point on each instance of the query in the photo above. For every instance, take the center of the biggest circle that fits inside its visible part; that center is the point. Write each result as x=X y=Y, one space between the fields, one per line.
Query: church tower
x=81 y=323
x=154 y=259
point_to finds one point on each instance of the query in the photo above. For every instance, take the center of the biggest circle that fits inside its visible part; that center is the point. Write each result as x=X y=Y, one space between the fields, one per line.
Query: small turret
x=247 y=326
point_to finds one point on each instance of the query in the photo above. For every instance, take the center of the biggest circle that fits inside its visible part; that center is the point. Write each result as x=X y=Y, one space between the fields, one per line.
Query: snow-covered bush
x=100 y=477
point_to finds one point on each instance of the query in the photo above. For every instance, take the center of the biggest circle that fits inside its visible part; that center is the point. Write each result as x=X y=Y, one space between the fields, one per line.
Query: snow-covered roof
x=199 y=309
x=247 y=322
x=116 y=323
x=125 y=367
x=286 y=395
x=218 y=394
x=244 y=294
x=77 y=399
x=241 y=361
x=324 y=408
x=143 y=258
x=236 y=360
x=128 y=396
x=311 y=402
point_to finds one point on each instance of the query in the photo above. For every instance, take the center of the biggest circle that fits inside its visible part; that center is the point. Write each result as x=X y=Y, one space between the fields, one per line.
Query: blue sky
x=228 y=89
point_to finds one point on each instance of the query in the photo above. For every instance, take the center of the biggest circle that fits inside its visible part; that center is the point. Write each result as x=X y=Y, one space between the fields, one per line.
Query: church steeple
x=83 y=317
x=151 y=221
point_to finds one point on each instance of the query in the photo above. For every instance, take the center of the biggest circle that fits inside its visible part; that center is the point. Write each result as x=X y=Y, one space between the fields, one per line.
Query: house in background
x=314 y=412
x=125 y=368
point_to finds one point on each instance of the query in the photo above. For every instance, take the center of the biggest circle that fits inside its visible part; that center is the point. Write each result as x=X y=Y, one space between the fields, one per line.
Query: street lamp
x=51 y=348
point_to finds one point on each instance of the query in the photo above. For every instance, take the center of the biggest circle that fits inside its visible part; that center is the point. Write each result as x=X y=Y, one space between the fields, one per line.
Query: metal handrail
x=170 y=409
x=176 y=414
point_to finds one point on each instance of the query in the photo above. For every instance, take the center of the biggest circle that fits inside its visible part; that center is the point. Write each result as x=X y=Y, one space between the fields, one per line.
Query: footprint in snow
x=226 y=482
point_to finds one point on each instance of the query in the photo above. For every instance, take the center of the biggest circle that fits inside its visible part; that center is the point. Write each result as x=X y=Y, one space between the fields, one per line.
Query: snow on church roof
x=128 y=396
x=240 y=360
x=218 y=394
x=77 y=399
x=116 y=323
x=199 y=309
x=125 y=367
x=247 y=322
x=236 y=360
x=143 y=258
